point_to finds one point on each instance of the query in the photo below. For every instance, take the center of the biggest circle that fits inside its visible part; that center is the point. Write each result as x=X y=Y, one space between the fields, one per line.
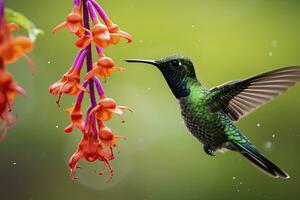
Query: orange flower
x=68 y=84
x=115 y=33
x=106 y=108
x=100 y=36
x=13 y=26
x=76 y=118
x=14 y=48
x=8 y=89
x=90 y=148
x=107 y=137
x=11 y=49
x=103 y=68
x=74 y=22
x=8 y=120
x=83 y=41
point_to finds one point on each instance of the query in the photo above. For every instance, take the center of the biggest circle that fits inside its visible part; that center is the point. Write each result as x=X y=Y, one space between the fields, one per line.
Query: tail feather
x=249 y=152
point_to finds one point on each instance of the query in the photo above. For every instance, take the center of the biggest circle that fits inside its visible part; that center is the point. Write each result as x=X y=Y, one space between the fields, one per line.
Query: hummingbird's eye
x=176 y=63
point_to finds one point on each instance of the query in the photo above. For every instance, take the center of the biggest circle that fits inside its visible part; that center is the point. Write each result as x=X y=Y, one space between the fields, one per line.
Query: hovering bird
x=209 y=114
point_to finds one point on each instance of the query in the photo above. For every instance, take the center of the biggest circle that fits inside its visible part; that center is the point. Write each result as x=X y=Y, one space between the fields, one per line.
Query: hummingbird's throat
x=177 y=84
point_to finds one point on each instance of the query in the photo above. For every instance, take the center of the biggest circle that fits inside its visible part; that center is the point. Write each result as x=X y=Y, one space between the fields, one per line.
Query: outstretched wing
x=238 y=98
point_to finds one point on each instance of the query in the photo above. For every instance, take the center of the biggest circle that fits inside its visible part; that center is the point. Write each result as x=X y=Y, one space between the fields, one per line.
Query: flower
x=107 y=137
x=68 y=84
x=73 y=22
x=103 y=68
x=100 y=36
x=14 y=48
x=91 y=149
x=97 y=141
x=13 y=26
x=11 y=49
x=76 y=118
x=106 y=108
x=83 y=41
x=8 y=89
x=8 y=120
x=115 y=33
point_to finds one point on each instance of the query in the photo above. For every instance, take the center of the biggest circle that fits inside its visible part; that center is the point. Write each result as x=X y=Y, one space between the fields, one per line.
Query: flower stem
x=1 y=9
x=89 y=59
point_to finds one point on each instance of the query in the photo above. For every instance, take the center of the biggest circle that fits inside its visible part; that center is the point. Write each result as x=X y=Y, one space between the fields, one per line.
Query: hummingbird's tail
x=252 y=154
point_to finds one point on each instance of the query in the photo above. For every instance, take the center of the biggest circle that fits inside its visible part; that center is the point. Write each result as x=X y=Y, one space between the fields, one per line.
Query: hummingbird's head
x=177 y=70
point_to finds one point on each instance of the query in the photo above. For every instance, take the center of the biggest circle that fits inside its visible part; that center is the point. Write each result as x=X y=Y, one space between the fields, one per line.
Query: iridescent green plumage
x=209 y=114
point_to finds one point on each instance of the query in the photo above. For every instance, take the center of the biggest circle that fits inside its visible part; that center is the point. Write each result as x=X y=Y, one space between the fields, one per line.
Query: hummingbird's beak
x=152 y=62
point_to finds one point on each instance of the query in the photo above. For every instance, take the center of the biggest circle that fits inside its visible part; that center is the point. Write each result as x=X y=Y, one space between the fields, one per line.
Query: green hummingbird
x=209 y=114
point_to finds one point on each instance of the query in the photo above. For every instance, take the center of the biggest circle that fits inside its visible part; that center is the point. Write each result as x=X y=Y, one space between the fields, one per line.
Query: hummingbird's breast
x=207 y=126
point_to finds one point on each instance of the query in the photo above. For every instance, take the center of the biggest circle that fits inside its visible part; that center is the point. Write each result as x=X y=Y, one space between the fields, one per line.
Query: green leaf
x=20 y=19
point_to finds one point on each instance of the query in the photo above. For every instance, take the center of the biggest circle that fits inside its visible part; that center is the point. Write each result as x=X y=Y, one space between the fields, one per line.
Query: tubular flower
x=68 y=84
x=73 y=22
x=91 y=149
x=11 y=49
x=8 y=90
x=103 y=68
x=70 y=81
x=103 y=35
x=98 y=141
x=106 y=135
x=106 y=108
x=115 y=33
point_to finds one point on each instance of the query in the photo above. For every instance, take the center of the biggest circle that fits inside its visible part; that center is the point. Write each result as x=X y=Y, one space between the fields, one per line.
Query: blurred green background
x=227 y=40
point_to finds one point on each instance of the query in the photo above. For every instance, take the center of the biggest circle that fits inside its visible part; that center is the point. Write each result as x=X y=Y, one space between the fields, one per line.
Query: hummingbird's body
x=210 y=128
x=209 y=114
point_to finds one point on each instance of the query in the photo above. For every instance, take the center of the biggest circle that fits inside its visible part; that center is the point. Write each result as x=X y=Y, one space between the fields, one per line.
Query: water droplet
x=258 y=124
x=241 y=183
x=193 y=26
x=270 y=53
x=274 y=43
x=14 y=163
x=238 y=190
x=49 y=62
x=273 y=136
x=56 y=126
x=233 y=178
x=149 y=88
x=268 y=145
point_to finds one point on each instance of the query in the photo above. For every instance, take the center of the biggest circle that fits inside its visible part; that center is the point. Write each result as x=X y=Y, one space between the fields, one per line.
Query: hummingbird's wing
x=238 y=98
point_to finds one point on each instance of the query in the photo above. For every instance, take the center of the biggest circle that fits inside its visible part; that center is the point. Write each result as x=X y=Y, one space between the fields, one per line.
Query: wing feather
x=238 y=98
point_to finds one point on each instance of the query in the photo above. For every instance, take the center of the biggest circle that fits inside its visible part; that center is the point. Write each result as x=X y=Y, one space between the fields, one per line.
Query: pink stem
x=99 y=10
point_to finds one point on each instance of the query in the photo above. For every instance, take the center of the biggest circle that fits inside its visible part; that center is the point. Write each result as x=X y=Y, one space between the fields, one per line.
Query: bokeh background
x=227 y=40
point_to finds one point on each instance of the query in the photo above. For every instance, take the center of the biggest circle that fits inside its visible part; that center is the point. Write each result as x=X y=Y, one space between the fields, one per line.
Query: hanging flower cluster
x=11 y=49
x=98 y=140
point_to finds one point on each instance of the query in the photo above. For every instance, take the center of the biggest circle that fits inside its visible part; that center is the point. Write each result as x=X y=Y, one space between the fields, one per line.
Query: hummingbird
x=210 y=114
